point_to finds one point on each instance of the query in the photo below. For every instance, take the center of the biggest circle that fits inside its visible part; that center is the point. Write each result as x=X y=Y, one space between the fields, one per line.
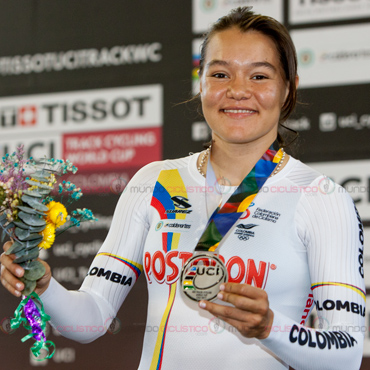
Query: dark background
x=36 y=26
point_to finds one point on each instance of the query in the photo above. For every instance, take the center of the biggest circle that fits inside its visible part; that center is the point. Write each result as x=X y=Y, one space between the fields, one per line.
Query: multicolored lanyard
x=225 y=217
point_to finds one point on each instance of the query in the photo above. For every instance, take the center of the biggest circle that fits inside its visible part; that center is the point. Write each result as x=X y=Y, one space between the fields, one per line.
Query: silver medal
x=202 y=275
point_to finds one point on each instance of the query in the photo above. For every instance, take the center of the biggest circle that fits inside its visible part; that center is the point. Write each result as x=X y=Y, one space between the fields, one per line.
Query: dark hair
x=246 y=20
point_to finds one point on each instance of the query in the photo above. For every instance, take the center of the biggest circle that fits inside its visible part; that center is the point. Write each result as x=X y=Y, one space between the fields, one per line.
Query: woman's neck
x=232 y=162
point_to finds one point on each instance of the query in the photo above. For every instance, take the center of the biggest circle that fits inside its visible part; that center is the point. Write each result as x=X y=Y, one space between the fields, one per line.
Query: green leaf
x=29 y=286
x=25 y=235
x=35 y=270
x=26 y=255
x=35 y=229
x=32 y=193
x=32 y=220
x=34 y=203
x=16 y=247
x=30 y=210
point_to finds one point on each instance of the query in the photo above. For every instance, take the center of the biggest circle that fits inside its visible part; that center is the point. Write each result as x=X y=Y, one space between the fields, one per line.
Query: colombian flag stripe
x=135 y=267
x=349 y=286
x=169 y=185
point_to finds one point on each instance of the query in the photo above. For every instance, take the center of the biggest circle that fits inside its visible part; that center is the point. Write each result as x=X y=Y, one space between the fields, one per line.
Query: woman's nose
x=239 y=89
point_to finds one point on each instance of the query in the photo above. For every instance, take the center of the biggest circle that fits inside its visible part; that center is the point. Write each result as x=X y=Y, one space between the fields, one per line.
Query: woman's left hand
x=251 y=314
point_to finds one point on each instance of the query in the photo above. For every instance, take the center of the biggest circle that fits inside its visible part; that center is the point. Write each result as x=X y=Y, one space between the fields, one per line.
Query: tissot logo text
x=78 y=111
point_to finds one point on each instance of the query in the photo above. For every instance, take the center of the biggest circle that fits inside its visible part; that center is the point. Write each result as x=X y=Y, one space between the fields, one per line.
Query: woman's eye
x=219 y=75
x=259 y=77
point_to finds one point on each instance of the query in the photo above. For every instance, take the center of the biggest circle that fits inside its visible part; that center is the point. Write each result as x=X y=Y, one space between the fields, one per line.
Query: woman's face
x=242 y=89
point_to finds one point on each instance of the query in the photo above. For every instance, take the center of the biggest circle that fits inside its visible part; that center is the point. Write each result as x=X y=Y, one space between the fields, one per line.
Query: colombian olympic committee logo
x=159 y=225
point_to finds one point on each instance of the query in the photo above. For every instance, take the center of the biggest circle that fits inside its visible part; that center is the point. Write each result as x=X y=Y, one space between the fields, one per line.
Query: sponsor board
x=200 y=131
x=330 y=121
x=324 y=53
x=354 y=176
x=79 y=111
x=310 y=11
x=80 y=59
x=113 y=149
x=302 y=123
x=205 y=12
x=196 y=57
x=49 y=145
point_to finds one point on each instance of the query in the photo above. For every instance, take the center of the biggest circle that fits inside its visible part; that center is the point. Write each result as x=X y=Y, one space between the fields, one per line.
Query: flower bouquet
x=33 y=211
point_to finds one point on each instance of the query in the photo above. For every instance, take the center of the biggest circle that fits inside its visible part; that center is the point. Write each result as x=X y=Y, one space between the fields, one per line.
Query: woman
x=294 y=245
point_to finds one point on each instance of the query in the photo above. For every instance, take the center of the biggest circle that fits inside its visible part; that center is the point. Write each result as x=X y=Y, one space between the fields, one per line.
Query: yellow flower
x=48 y=236
x=57 y=214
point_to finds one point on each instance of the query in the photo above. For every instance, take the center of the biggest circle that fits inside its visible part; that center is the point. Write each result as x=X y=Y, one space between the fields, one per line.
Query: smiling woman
x=250 y=258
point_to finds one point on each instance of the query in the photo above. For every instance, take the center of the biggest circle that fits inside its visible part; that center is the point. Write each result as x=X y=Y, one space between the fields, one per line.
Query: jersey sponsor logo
x=114 y=277
x=181 y=204
x=361 y=249
x=173 y=226
x=307 y=309
x=324 y=339
x=166 y=267
x=266 y=215
x=338 y=305
x=243 y=231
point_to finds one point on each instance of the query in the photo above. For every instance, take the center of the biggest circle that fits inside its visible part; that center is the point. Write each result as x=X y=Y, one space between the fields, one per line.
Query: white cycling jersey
x=301 y=241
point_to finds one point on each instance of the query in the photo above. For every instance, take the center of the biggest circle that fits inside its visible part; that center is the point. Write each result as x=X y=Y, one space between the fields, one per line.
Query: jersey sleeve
x=330 y=227
x=114 y=270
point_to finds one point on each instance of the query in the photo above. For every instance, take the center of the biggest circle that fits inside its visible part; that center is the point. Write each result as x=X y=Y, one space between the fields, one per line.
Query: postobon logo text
x=165 y=268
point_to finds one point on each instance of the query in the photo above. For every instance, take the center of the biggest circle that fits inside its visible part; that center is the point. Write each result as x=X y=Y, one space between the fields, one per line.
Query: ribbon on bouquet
x=35 y=320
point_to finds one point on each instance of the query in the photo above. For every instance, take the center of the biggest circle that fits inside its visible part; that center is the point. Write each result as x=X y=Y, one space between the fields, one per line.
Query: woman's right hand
x=11 y=272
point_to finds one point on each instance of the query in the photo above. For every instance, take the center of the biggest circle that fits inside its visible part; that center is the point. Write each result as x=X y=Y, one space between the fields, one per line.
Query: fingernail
x=220 y=296
x=19 y=271
x=18 y=294
x=222 y=287
x=202 y=304
x=19 y=286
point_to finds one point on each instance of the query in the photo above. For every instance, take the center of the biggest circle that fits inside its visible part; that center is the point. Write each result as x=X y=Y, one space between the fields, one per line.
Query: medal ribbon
x=224 y=218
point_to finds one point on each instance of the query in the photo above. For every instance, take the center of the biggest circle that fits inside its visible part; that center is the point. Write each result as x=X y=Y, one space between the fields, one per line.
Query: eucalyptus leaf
x=30 y=210
x=16 y=247
x=3 y=235
x=35 y=271
x=32 y=193
x=29 y=286
x=34 y=203
x=27 y=255
x=29 y=244
x=32 y=220
x=24 y=235
x=2 y=217
x=35 y=229
x=38 y=184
